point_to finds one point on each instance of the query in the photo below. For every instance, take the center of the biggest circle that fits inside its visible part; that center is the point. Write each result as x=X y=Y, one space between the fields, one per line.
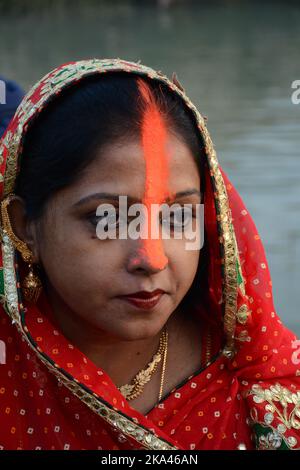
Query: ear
x=24 y=229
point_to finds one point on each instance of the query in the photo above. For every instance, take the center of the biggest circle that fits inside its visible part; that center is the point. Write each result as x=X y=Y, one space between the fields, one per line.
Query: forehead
x=121 y=167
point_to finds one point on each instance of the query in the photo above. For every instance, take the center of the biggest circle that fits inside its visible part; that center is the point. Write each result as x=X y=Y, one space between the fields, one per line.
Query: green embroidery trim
x=239 y=276
x=266 y=438
x=1 y=282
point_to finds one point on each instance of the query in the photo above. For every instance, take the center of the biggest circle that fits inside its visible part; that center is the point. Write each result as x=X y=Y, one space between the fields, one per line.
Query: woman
x=137 y=342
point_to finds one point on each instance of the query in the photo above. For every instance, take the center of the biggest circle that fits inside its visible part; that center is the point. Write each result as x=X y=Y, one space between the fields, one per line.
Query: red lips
x=143 y=294
x=143 y=299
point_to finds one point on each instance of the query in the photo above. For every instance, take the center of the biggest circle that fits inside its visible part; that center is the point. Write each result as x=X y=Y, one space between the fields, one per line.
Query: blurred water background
x=237 y=61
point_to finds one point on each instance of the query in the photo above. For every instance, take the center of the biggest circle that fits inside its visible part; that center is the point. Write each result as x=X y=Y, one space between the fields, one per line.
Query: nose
x=148 y=257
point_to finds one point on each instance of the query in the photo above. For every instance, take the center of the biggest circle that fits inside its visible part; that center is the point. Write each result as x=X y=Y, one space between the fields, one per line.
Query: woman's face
x=87 y=275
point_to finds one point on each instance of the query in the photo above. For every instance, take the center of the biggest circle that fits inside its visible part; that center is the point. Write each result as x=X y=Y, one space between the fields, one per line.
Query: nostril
x=141 y=262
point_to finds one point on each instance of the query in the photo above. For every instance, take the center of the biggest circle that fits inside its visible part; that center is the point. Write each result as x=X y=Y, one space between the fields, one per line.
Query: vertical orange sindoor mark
x=154 y=137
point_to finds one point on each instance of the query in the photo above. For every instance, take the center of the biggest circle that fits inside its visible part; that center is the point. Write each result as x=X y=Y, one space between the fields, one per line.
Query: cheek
x=184 y=264
x=191 y=265
x=80 y=267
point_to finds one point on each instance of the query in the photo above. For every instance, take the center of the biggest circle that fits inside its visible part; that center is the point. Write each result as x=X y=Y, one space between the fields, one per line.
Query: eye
x=108 y=221
x=178 y=219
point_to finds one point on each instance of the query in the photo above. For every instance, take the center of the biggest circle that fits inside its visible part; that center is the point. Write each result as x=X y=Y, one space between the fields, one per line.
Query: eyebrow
x=131 y=200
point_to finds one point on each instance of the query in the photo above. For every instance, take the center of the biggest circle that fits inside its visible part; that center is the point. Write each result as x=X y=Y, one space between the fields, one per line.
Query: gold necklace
x=163 y=369
x=135 y=388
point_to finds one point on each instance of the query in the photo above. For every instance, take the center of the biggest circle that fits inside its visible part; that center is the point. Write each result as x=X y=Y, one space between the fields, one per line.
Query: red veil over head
x=53 y=397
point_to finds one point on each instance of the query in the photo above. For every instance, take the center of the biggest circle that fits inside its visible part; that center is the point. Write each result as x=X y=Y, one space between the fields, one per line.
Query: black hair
x=65 y=137
x=81 y=121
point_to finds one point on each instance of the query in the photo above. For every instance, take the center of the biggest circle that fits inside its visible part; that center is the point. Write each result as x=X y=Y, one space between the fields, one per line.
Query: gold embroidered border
x=280 y=404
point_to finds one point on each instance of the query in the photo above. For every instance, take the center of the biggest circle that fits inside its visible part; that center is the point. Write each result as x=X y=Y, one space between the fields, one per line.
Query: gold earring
x=31 y=285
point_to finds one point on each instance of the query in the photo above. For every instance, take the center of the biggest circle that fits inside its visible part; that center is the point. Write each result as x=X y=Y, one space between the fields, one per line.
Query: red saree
x=248 y=396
